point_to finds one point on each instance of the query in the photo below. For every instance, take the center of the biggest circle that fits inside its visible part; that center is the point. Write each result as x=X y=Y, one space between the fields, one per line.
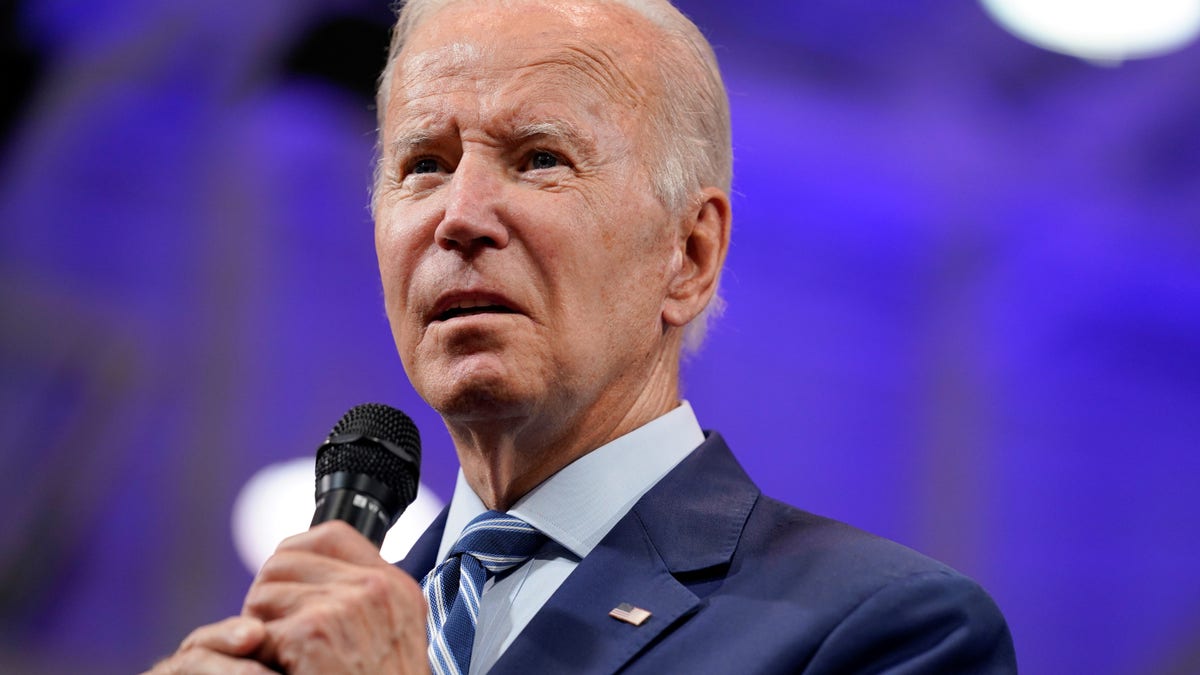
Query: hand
x=218 y=649
x=329 y=604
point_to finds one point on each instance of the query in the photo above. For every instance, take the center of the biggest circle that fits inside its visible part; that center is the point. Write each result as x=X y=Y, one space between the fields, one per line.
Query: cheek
x=391 y=269
x=628 y=283
x=397 y=255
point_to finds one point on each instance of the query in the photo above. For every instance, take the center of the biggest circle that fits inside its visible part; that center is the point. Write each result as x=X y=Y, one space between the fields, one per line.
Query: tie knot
x=498 y=541
x=490 y=544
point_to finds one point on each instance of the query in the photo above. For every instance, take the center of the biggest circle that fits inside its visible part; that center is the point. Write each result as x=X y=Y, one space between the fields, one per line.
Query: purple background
x=964 y=306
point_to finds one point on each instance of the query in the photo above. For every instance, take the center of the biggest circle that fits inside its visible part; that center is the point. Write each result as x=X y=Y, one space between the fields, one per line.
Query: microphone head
x=377 y=441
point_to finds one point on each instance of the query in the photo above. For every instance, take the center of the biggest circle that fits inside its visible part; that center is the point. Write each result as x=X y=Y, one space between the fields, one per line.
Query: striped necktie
x=492 y=543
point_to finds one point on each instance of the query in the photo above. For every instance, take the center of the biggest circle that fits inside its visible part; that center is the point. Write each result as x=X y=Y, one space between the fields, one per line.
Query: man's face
x=524 y=257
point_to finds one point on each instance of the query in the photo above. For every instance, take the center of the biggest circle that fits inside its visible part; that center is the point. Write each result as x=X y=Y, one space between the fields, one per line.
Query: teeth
x=472 y=306
x=468 y=304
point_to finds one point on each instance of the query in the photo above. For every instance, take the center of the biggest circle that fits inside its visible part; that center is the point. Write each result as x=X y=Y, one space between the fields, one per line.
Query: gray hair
x=688 y=123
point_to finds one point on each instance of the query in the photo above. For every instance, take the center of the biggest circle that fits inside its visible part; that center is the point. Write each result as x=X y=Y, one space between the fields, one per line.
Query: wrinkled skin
x=536 y=290
x=325 y=602
x=517 y=179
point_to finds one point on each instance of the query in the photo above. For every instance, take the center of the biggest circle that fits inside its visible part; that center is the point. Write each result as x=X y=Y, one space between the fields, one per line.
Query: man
x=551 y=219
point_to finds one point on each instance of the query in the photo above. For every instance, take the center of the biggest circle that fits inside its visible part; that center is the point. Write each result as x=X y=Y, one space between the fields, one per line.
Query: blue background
x=964 y=306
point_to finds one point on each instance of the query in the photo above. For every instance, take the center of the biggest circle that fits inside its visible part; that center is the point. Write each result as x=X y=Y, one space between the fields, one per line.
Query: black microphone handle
x=367 y=504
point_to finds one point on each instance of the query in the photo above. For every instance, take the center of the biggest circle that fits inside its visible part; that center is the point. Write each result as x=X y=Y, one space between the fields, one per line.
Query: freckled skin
x=579 y=244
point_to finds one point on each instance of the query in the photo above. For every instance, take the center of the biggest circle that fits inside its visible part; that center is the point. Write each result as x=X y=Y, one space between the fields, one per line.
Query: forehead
x=598 y=51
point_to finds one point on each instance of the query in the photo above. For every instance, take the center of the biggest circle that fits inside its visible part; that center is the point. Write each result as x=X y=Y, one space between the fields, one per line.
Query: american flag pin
x=629 y=614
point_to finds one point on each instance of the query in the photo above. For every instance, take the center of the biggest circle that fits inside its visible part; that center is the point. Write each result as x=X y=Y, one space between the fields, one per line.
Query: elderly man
x=551 y=221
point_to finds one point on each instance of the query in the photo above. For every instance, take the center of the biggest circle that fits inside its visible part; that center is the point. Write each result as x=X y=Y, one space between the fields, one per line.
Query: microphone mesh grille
x=365 y=457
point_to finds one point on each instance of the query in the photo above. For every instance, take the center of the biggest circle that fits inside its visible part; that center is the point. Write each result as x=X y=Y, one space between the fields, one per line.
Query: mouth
x=455 y=306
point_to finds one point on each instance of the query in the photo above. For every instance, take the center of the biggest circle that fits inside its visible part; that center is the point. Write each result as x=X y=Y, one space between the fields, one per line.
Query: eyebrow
x=415 y=139
x=559 y=130
x=410 y=140
x=551 y=128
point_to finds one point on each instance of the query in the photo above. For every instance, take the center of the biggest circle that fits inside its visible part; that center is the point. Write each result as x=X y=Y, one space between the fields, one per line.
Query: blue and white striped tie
x=490 y=544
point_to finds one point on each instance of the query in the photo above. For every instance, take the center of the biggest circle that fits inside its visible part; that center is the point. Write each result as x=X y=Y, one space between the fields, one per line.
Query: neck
x=504 y=459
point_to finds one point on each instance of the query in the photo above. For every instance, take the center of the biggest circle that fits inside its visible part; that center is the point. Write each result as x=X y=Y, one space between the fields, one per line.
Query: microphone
x=367 y=470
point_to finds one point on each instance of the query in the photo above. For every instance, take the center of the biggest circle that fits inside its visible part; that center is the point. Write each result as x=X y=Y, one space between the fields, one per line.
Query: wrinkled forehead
x=602 y=48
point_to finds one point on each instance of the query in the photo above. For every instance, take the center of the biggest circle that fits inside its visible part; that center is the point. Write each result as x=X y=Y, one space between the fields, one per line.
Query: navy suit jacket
x=740 y=583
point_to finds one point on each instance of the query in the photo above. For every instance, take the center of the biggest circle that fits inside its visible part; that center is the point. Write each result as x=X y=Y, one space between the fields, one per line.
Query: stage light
x=278 y=501
x=1102 y=31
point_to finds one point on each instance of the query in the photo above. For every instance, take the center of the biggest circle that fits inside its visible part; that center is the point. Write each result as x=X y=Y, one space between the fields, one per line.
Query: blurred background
x=964 y=304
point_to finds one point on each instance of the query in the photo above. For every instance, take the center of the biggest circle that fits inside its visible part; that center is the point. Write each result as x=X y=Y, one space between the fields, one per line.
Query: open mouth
x=455 y=312
x=466 y=305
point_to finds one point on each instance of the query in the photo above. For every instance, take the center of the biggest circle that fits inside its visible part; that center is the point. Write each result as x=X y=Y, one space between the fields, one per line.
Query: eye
x=424 y=165
x=540 y=159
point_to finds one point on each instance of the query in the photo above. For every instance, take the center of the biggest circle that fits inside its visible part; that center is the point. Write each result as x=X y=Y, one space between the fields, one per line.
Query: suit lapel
x=423 y=555
x=691 y=520
x=573 y=631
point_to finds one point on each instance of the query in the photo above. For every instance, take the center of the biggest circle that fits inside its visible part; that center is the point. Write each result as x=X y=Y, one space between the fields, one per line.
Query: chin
x=482 y=405
x=477 y=398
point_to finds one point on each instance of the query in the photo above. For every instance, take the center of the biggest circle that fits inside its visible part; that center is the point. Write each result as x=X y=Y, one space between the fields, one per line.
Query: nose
x=472 y=220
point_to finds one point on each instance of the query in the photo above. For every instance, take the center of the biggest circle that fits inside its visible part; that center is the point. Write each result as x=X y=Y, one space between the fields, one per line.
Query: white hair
x=691 y=146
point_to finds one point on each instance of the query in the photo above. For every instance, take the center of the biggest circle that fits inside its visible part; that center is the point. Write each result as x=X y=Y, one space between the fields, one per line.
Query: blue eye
x=426 y=165
x=543 y=160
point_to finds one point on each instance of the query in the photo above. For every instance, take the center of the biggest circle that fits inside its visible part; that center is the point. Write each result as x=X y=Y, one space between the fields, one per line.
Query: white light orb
x=278 y=502
x=1105 y=31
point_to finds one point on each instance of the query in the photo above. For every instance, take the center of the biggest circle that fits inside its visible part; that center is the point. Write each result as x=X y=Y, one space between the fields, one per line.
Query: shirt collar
x=578 y=505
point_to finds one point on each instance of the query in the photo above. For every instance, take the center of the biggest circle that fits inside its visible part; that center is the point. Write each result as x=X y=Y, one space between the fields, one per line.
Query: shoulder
x=808 y=593
x=868 y=603
x=827 y=548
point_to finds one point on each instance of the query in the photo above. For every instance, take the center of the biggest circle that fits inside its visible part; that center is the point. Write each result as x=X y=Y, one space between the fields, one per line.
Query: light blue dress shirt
x=575 y=508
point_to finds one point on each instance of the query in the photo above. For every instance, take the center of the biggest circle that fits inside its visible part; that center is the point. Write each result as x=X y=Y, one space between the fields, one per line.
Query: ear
x=703 y=243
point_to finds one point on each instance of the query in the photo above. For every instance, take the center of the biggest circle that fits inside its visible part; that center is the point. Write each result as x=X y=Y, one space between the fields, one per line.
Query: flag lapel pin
x=629 y=614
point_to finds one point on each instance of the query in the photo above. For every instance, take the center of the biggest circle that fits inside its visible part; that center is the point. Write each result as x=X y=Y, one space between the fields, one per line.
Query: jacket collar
x=690 y=521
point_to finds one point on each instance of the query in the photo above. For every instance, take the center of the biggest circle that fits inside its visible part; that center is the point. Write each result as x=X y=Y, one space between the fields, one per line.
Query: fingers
x=296 y=565
x=218 y=648
x=291 y=581
x=335 y=539
x=268 y=602
x=293 y=578
x=203 y=662
x=308 y=566
x=371 y=616
x=331 y=636
x=325 y=602
x=236 y=636
x=328 y=602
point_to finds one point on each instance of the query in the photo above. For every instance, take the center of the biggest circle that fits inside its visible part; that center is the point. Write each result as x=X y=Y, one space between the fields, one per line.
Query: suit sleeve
x=931 y=622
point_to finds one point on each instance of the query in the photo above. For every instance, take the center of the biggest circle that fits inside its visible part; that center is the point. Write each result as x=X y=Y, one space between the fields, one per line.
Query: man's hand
x=218 y=649
x=325 y=602
x=330 y=604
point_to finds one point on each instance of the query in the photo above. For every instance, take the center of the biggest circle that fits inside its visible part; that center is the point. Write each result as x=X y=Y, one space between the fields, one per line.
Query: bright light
x=1108 y=31
x=278 y=502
